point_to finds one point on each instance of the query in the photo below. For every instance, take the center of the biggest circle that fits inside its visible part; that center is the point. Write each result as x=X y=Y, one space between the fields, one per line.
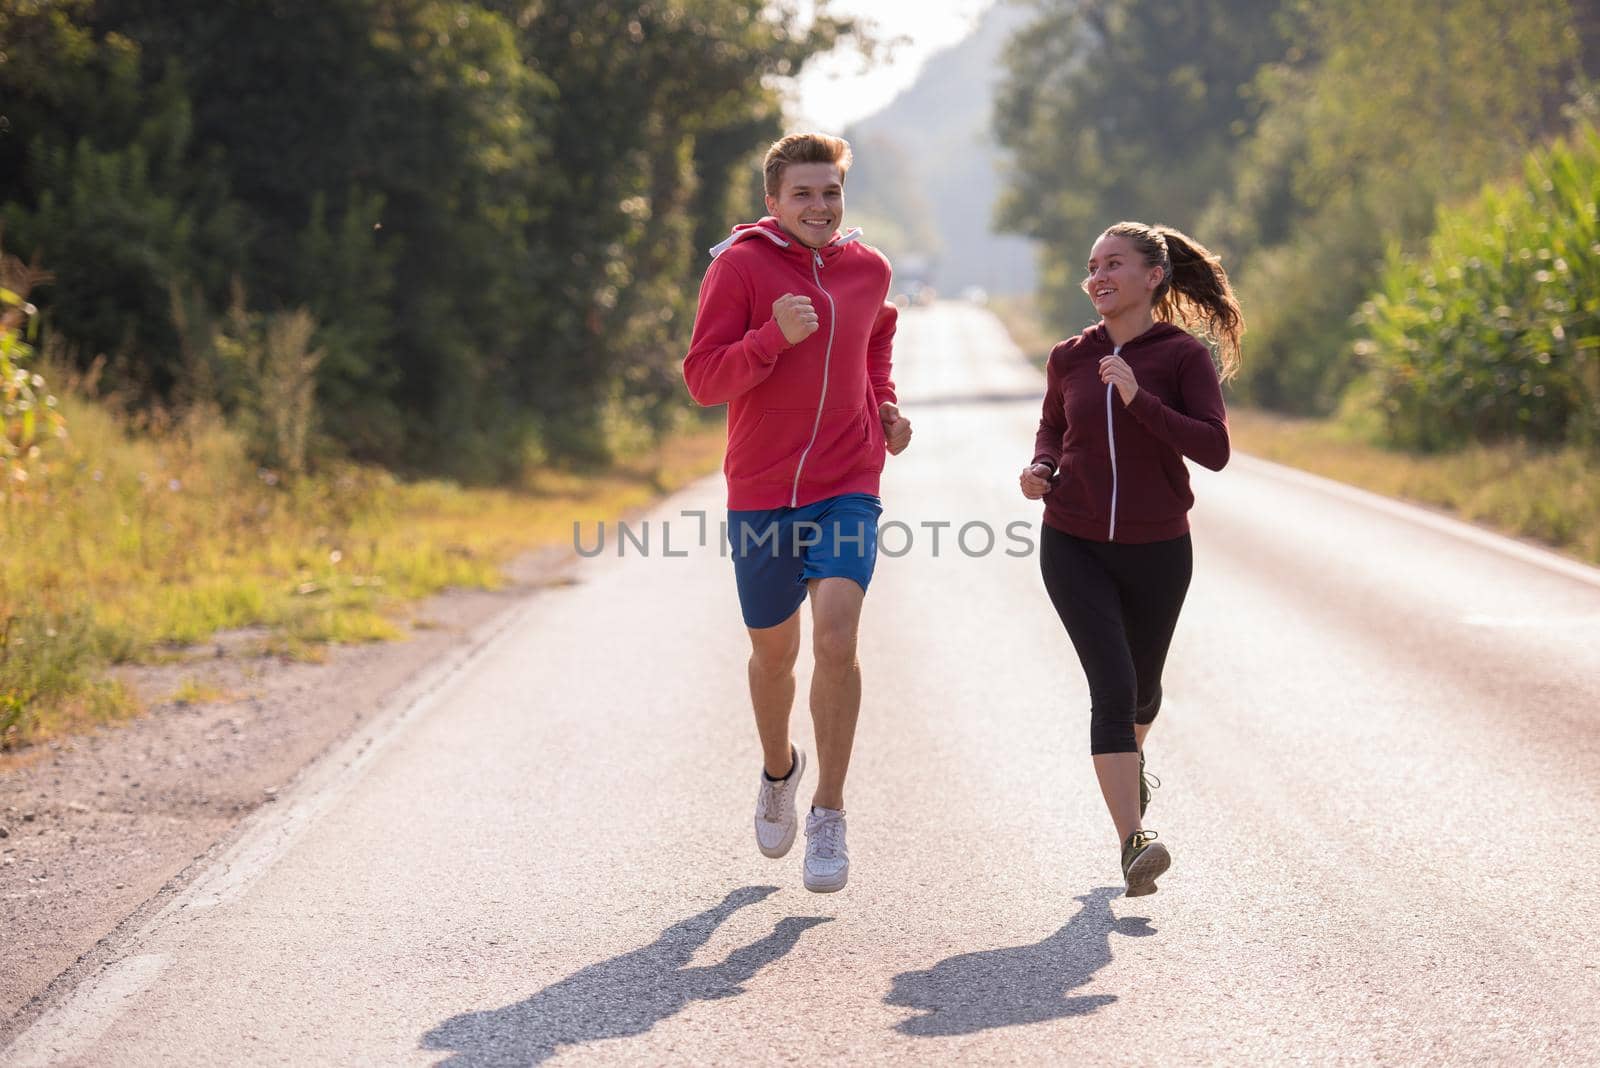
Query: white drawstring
x=1111 y=434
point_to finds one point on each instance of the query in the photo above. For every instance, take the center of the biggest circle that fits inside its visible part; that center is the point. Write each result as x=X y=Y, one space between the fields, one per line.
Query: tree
x=96 y=179
x=494 y=212
x=653 y=124
x=1375 y=115
x=1123 y=109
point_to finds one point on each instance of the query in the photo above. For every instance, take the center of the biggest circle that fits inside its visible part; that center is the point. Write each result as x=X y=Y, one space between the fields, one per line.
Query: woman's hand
x=1035 y=481
x=1114 y=369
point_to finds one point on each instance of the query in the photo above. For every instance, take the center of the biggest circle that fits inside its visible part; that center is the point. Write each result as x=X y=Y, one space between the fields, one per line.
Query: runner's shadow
x=1018 y=984
x=627 y=995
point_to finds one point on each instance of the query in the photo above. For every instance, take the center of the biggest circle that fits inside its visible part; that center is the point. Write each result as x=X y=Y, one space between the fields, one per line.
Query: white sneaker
x=827 y=856
x=775 y=815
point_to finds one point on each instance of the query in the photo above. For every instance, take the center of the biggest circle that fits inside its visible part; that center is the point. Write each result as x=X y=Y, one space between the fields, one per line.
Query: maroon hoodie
x=802 y=419
x=1119 y=468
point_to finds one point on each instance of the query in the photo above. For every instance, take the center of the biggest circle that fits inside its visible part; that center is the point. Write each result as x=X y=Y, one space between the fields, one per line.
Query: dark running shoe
x=1143 y=861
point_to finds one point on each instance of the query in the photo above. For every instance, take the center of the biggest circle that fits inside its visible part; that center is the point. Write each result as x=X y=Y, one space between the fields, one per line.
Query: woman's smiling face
x=1119 y=281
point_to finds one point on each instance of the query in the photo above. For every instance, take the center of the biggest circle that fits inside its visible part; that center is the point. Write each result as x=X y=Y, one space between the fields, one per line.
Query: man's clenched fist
x=896 y=428
x=795 y=316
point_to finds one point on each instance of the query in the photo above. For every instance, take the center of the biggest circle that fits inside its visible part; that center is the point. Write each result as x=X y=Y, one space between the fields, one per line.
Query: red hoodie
x=802 y=419
x=1119 y=468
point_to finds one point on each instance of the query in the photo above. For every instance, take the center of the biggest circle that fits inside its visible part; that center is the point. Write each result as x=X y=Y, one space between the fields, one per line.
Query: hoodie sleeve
x=726 y=358
x=1053 y=417
x=1200 y=430
x=880 y=354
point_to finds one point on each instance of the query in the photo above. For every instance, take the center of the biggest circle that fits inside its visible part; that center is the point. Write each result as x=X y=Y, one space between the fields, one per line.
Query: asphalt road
x=1381 y=756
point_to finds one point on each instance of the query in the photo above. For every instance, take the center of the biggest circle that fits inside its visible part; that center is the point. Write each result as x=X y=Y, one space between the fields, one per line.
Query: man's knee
x=774 y=651
x=835 y=620
x=834 y=644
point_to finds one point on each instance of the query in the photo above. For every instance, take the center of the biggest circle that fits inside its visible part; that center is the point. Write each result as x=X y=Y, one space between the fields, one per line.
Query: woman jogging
x=1125 y=402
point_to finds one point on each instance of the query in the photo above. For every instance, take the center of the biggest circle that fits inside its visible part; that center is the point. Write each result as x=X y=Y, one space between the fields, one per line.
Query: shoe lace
x=1144 y=838
x=772 y=798
x=1151 y=782
x=825 y=836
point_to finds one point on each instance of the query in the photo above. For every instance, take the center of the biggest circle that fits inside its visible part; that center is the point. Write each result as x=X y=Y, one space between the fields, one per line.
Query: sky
x=834 y=91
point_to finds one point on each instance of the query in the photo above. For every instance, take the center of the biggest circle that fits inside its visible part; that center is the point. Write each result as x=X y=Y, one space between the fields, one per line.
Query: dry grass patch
x=1552 y=496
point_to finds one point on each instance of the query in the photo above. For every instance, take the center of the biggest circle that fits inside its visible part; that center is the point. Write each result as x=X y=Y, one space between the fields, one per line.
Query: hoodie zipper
x=827 y=358
x=1111 y=435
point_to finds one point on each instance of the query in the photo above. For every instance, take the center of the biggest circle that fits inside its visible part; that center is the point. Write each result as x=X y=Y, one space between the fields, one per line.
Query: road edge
x=44 y=1031
x=1422 y=515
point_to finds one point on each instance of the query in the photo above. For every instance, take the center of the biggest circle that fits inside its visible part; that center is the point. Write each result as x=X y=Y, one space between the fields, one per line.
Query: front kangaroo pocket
x=1083 y=488
x=770 y=450
x=843 y=445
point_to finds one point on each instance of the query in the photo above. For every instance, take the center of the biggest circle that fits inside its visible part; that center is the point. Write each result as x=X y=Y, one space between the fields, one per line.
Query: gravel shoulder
x=92 y=827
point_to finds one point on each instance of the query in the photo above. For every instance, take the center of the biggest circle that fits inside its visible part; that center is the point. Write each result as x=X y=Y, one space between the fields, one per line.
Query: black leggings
x=1120 y=604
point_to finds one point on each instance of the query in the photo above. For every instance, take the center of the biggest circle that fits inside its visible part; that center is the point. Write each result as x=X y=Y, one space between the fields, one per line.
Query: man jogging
x=794 y=335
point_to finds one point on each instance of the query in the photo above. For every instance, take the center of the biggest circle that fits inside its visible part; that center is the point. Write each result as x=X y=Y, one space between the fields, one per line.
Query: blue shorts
x=776 y=551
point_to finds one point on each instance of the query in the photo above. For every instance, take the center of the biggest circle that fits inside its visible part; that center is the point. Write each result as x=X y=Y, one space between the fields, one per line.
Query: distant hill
x=928 y=171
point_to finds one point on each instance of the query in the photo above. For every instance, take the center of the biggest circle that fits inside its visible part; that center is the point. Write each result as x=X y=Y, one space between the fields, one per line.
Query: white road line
x=1560 y=623
x=69 y=1029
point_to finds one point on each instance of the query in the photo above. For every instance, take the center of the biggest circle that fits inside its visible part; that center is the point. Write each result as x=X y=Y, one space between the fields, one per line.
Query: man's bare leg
x=773 y=651
x=835 y=683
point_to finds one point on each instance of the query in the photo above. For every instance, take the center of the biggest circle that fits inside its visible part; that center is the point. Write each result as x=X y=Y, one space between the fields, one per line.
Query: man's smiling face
x=810 y=202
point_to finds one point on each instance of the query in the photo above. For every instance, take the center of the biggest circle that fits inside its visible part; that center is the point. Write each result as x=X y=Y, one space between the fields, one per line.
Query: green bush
x=1493 y=333
x=28 y=413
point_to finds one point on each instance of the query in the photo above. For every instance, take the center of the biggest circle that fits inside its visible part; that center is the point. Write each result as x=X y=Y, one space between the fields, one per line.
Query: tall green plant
x=1493 y=332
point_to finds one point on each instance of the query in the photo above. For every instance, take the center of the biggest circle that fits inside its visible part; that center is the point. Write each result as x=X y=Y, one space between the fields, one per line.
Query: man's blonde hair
x=804 y=148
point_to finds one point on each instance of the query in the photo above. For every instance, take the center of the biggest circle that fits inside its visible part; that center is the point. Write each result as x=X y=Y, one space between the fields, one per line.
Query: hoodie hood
x=768 y=228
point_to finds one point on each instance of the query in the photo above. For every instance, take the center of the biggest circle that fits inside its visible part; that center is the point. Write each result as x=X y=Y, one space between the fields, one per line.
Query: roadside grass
x=135 y=542
x=1551 y=496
